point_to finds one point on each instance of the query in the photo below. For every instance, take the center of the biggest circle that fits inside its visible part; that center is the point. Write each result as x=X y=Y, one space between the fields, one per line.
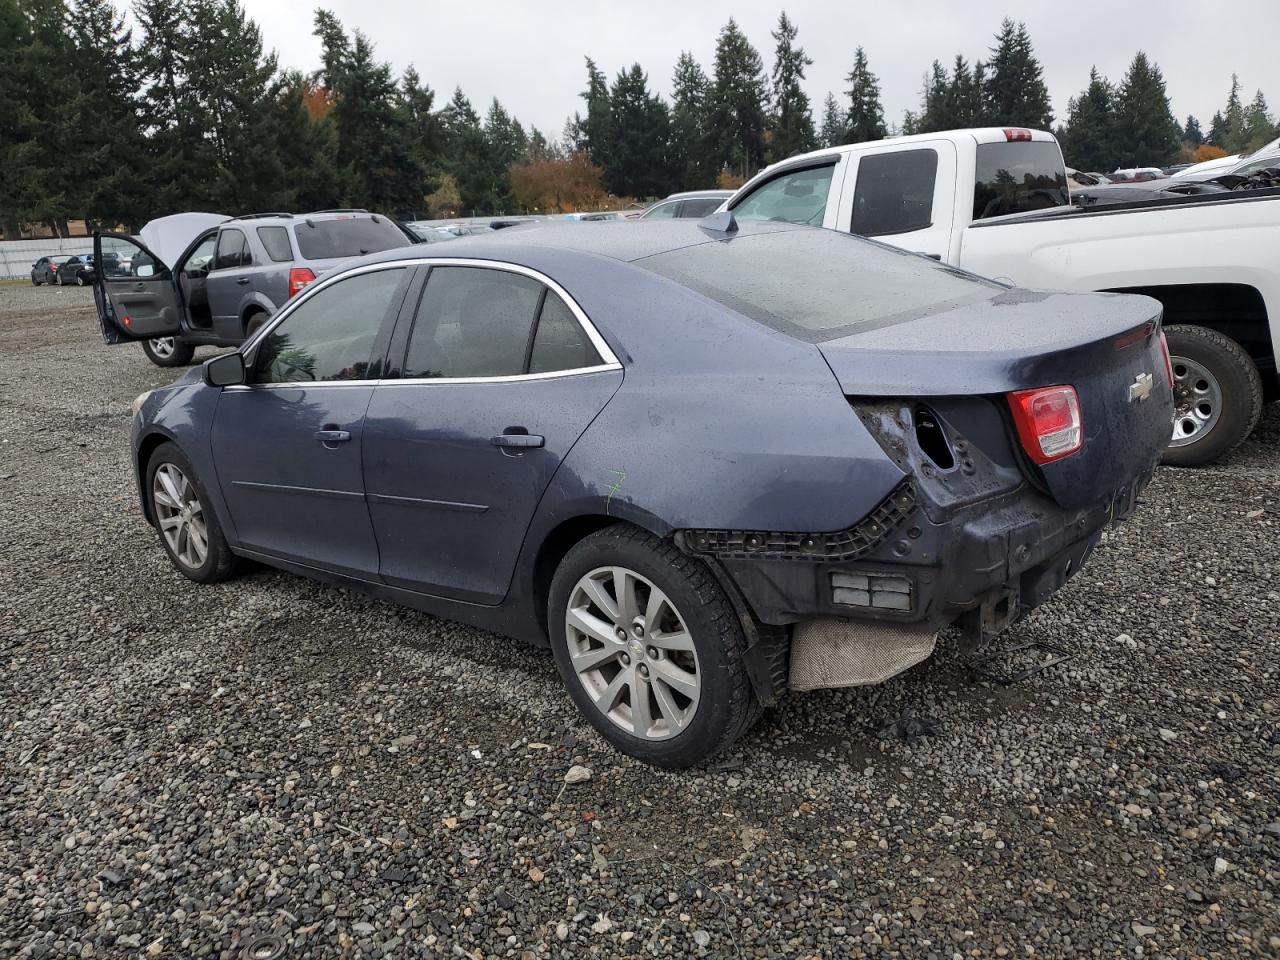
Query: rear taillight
x=299 y=277
x=1168 y=361
x=1016 y=134
x=1048 y=422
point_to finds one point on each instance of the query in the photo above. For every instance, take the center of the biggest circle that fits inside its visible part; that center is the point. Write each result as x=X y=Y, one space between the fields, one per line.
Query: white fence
x=17 y=256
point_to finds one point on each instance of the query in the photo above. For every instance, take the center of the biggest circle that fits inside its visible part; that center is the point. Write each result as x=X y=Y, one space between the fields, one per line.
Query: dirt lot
x=185 y=768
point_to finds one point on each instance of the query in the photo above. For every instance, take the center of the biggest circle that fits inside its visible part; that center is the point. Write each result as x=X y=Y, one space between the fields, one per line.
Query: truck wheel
x=650 y=648
x=168 y=351
x=1217 y=395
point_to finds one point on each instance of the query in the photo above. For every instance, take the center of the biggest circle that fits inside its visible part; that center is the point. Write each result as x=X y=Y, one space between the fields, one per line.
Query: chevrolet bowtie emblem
x=1140 y=389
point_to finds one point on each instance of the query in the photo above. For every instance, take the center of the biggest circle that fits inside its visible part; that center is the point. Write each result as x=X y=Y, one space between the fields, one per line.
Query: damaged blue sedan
x=706 y=463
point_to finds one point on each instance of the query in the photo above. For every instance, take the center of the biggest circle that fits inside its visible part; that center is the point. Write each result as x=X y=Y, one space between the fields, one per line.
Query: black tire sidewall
x=218 y=561
x=715 y=721
x=254 y=323
x=182 y=354
x=1240 y=385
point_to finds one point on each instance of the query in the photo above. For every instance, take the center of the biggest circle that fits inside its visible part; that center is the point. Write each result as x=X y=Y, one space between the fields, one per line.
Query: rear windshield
x=1019 y=177
x=819 y=285
x=347 y=237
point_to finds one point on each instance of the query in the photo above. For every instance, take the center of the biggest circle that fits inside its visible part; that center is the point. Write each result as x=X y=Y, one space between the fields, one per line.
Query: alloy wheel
x=1197 y=401
x=632 y=653
x=163 y=347
x=180 y=515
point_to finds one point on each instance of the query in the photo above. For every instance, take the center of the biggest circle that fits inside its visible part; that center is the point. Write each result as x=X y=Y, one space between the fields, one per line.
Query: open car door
x=134 y=291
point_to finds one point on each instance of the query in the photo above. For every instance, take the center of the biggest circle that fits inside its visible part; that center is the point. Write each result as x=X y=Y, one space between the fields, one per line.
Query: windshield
x=1019 y=177
x=819 y=285
x=347 y=237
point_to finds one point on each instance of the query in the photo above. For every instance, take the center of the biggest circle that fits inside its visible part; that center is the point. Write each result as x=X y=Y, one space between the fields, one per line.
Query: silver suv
x=199 y=278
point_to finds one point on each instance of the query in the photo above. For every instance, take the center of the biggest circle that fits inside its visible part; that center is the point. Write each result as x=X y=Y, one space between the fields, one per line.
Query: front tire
x=168 y=351
x=1217 y=395
x=650 y=648
x=188 y=527
x=80 y=281
x=34 y=281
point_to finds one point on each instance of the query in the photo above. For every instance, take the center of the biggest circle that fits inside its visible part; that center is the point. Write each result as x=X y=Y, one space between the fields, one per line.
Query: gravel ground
x=187 y=768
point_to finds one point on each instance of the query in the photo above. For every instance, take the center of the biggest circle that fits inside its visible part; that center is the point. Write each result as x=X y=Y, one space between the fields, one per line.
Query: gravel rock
x=159 y=725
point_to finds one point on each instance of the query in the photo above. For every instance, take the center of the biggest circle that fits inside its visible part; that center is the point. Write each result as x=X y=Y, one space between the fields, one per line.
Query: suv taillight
x=299 y=277
x=1048 y=422
x=1168 y=361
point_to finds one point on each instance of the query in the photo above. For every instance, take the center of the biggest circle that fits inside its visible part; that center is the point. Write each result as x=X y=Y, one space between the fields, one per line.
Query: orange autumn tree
x=559 y=186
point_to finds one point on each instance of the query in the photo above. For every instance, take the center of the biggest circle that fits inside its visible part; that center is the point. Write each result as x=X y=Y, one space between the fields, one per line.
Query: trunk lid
x=1104 y=345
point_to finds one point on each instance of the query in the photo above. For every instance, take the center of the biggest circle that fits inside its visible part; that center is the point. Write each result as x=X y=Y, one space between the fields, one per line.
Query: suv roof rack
x=343 y=210
x=255 y=216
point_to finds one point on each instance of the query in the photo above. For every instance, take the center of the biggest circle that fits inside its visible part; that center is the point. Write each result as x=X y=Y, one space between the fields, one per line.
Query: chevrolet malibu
x=706 y=463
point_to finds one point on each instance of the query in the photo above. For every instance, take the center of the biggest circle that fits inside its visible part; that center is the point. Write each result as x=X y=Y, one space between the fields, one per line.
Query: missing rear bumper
x=829 y=652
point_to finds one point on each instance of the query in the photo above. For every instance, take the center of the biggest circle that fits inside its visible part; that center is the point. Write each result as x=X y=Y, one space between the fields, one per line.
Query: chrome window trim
x=609 y=358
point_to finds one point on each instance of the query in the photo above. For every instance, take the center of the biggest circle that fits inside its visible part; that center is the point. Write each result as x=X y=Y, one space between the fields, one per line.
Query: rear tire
x=1217 y=395
x=691 y=634
x=168 y=352
x=35 y=282
x=188 y=527
x=254 y=323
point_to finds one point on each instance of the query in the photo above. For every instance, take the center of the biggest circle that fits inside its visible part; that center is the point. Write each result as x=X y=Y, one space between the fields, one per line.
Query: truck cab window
x=894 y=193
x=1018 y=177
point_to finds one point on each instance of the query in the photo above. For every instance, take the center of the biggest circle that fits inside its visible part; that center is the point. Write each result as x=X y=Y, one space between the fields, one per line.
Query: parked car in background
x=1136 y=174
x=430 y=233
x=995 y=201
x=45 y=270
x=200 y=278
x=545 y=433
x=693 y=204
x=77 y=270
x=1211 y=168
x=1082 y=179
x=595 y=217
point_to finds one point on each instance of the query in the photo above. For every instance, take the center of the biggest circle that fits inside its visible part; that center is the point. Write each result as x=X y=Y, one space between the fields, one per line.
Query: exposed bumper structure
x=851 y=653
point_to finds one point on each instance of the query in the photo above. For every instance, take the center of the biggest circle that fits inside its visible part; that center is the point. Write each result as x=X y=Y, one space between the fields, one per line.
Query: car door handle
x=522 y=441
x=333 y=436
x=243 y=281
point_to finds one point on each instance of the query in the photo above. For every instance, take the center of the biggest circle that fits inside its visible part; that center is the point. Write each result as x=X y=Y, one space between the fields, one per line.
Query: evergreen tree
x=832 y=134
x=864 y=120
x=21 y=182
x=738 y=95
x=910 y=123
x=375 y=143
x=466 y=152
x=1218 y=130
x=791 y=121
x=936 y=101
x=1191 y=133
x=1014 y=87
x=1233 y=135
x=422 y=126
x=962 y=96
x=506 y=143
x=638 y=164
x=691 y=160
x=1258 y=127
x=1146 y=132
x=308 y=144
x=48 y=75
x=1088 y=139
x=594 y=133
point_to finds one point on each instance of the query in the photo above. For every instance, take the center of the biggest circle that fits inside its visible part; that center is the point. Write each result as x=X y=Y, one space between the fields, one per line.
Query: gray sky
x=530 y=54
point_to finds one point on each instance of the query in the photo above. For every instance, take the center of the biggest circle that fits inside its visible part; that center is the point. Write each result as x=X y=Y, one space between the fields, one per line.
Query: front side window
x=799 y=196
x=232 y=250
x=700 y=207
x=472 y=322
x=330 y=335
x=275 y=240
x=894 y=192
x=661 y=211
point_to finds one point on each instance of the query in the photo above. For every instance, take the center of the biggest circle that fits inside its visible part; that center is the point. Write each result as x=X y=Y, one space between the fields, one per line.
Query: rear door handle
x=333 y=436
x=243 y=281
x=523 y=441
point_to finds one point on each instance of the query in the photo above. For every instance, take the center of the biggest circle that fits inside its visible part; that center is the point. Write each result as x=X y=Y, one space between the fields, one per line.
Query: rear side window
x=894 y=193
x=330 y=335
x=819 y=285
x=275 y=240
x=796 y=197
x=1019 y=177
x=472 y=322
x=233 y=251
x=663 y=211
x=560 y=343
x=346 y=237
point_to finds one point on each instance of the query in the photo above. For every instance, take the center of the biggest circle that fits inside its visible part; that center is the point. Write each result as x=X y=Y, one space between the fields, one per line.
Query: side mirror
x=225 y=370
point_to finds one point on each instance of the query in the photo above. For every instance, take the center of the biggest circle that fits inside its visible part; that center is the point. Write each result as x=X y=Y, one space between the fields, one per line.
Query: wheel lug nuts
x=643 y=670
x=626 y=660
x=653 y=653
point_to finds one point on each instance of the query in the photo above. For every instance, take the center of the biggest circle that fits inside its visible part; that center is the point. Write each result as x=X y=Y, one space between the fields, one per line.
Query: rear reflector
x=299 y=277
x=1014 y=134
x=1168 y=361
x=1048 y=422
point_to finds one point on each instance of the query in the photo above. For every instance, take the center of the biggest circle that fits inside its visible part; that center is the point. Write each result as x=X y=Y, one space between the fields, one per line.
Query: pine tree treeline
x=185 y=109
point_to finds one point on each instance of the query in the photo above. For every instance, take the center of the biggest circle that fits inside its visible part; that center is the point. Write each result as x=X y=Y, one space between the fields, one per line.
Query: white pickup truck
x=995 y=202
